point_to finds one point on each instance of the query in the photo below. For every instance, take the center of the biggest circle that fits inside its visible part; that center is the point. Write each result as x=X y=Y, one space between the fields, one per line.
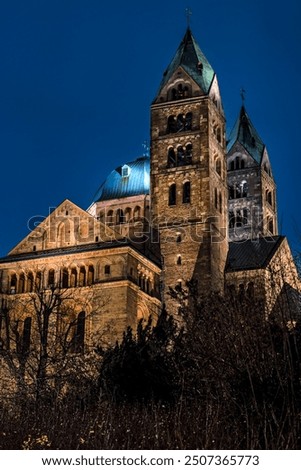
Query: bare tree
x=44 y=339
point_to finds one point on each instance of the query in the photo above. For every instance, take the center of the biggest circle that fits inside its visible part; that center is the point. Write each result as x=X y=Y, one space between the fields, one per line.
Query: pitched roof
x=245 y=133
x=130 y=179
x=137 y=245
x=190 y=57
x=252 y=254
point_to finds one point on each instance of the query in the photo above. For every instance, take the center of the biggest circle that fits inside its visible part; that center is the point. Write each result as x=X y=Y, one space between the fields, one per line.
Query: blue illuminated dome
x=130 y=179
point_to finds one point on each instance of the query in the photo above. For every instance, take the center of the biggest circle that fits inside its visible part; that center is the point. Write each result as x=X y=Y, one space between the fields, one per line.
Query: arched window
x=245 y=216
x=180 y=123
x=120 y=219
x=26 y=336
x=180 y=155
x=269 y=197
x=51 y=278
x=65 y=278
x=188 y=154
x=239 y=163
x=82 y=277
x=90 y=275
x=179 y=259
x=218 y=135
x=100 y=217
x=174 y=94
x=39 y=281
x=110 y=217
x=73 y=277
x=30 y=282
x=128 y=214
x=243 y=189
x=238 y=190
x=181 y=92
x=172 y=195
x=78 y=341
x=13 y=284
x=188 y=122
x=232 y=165
x=137 y=213
x=171 y=158
x=218 y=166
x=84 y=230
x=21 y=283
x=186 y=192
x=171 y=125
x=238 y=219
x=231 y=192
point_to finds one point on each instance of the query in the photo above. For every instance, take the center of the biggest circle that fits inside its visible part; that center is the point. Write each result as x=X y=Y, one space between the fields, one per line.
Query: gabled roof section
x=66 y=226
x=190 y=57
x=252 y=254
x=245 y=133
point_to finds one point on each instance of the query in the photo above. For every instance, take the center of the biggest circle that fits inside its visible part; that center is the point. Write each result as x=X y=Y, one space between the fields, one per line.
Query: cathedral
x=199 y=206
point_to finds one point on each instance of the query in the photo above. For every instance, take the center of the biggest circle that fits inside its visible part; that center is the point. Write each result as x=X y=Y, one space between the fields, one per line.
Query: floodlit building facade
x=198 y=207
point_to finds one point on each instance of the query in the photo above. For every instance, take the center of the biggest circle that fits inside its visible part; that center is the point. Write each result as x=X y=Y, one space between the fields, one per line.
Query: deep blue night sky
x=77 y=78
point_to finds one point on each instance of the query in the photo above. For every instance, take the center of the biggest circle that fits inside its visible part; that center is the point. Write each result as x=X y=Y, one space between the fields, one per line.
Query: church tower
x=188 y=172
x=252 y=189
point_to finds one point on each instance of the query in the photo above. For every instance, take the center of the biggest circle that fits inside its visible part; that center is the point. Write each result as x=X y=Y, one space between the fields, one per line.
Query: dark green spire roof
x=245 y=133
x=190 y=57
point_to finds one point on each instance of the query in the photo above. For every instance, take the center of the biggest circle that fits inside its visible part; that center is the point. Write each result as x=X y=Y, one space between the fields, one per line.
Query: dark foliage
x=142 y=367
x=223 y=376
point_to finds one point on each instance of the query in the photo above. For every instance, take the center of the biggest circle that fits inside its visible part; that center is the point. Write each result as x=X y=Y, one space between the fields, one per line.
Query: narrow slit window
x=172 y=195
x=186 y=192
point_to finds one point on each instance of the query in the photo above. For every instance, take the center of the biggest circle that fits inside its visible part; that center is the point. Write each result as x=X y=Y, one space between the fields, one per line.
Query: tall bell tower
x=252 y=188
x=188 y=172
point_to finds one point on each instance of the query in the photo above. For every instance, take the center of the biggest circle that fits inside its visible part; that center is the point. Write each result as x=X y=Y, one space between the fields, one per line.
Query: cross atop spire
x=243 y=95
x=188 y=15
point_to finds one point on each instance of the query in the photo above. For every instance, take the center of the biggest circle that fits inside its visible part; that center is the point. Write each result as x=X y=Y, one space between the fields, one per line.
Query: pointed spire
x=245 y=133
x=190 y=57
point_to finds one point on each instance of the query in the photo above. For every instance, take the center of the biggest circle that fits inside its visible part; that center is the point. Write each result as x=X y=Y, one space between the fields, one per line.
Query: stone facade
x=193 y=210
x=111 y=281
x=188 y=183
